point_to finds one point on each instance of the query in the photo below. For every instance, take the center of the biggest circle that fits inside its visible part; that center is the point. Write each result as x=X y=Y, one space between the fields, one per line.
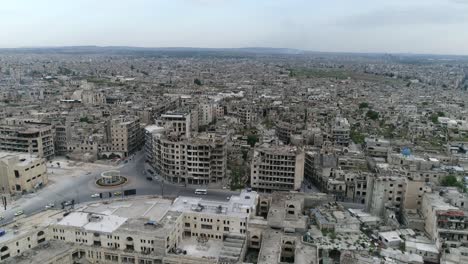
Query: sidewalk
x=211 y=186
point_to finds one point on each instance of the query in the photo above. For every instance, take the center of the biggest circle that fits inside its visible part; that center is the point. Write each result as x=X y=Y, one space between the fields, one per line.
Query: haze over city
x=400 y=26
x=234 y=132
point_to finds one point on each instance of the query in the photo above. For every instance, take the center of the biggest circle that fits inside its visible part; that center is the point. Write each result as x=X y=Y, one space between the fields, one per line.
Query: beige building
x=179 y=123
x=21 y=173
x=139 y=231
x=246 y=116
x=444 y=223
x=200 y=160
x=125 y=135
x=340 y=131
x=277 y=168
x=34 y=138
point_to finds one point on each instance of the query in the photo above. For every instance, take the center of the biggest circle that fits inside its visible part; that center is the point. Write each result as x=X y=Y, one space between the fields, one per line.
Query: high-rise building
x=197 y=160
x=277 y=168
x=125 y=134
x=33 y=138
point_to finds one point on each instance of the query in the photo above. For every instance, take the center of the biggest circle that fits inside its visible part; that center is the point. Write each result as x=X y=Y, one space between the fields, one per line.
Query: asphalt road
x=81 y=188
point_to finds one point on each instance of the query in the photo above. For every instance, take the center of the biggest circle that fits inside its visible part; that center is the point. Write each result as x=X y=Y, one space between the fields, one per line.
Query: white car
x=18 y=213
x=50 y=205
x=96 y=195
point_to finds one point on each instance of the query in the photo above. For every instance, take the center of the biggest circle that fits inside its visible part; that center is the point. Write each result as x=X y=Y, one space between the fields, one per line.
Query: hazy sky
x=417 y=26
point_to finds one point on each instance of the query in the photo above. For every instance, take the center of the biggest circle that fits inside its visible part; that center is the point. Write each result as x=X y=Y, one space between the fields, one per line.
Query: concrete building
x=140 y=230
x=62 y=138
x=246 y=116
x=277 y=168
x=284 y=130
x=377 y=147
x=445 y=224
x=33 y=138
x=384 y=192
x=20 y=173
x=340 y=131
x=124 y=134
x=177 y=122
x=150 y=133
x=200 y=160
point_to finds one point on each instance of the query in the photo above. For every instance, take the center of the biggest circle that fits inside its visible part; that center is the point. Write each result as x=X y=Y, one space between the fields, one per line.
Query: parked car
x=96 y=195
x=18 y=213
x=50 y=205
x=117 y=193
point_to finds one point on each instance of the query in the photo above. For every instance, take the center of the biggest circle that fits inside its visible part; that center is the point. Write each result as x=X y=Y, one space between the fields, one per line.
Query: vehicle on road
x=18 y=213
x=201 y=191
x=150 y=172
x=149 y=178
x=50 y=205
x=117 y=193
x=96 y=195
x=228 y=198
x=67 y=203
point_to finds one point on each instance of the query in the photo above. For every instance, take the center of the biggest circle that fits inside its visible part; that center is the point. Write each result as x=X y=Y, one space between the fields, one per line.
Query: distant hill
x=144 y=50
x=231 y=52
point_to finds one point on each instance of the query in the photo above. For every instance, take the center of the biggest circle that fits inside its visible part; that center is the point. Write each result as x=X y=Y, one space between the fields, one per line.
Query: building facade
x=20 y=173
x=277 y=168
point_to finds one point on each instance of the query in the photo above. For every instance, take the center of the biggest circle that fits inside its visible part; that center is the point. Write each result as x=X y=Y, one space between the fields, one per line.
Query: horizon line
x=232 y=48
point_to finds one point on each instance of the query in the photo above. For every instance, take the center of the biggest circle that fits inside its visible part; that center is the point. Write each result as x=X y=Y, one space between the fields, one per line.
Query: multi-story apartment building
x=62 y=138
x=447 y=225
x=377 y=147
x=384 y=192
x=277 y=168
x=150 y=133
x=284 y=130
x=206 y=114
x=176 y=122
x=246 y=116
x=201 y=159
x=33 y=138
x=340 y=131
x=21 y=172
x=125 y=134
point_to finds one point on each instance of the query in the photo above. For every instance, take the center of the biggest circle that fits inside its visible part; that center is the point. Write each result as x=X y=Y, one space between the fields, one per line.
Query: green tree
x=451 y=181
x=363 y=105
x=197 y=82
x=85 y=119
x=434 y=118
x=252 y=139
x=357 y=136
x=372 y=115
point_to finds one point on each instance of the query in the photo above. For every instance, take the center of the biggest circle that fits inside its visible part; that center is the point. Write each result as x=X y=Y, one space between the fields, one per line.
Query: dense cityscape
x=135 y=155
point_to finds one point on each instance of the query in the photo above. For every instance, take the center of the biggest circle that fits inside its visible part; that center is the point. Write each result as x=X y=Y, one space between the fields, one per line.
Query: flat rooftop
x=271 y=247
x=131 y=215
x=240 y=205
x=42 y=253
x=210 y=249
x=24 y=225
x=24 y=158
